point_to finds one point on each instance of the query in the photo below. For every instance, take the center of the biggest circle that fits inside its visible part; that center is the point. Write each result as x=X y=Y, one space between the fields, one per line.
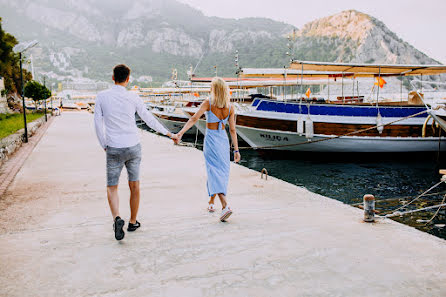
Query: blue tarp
x=338 y=110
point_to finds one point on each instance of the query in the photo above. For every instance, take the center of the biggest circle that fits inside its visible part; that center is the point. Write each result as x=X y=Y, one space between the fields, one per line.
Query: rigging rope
x=399 y=198
x=415 y=199
x=412 y=211
x=436 y=213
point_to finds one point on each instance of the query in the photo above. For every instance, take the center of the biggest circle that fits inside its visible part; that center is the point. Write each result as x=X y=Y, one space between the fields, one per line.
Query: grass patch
x=11 y=123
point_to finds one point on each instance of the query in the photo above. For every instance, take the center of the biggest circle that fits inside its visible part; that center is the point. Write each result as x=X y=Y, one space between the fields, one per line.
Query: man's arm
x=149 y=118
x=99 y=123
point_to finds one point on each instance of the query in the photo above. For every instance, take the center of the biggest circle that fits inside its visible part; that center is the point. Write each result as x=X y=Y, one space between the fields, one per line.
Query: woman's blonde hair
x=220 y=93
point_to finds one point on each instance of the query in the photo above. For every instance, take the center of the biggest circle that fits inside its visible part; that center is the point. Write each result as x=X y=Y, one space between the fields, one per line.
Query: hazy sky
x=421 y=23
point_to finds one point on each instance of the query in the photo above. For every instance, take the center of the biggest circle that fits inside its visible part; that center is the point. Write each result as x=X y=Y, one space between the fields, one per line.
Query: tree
x=36 y=91
x=10 y=63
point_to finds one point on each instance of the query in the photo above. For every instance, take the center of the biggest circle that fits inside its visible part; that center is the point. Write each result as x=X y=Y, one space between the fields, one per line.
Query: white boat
x=274 y=137
x=174 y=120
x=348 y=124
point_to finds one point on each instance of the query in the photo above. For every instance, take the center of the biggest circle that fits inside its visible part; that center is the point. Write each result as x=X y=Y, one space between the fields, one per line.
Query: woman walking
x=216 y=150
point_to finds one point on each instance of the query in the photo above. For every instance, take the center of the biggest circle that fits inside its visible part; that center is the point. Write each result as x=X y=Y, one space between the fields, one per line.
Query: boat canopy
x=184 y=90
x=370 y=70
x=267 y=81
x=291 y=73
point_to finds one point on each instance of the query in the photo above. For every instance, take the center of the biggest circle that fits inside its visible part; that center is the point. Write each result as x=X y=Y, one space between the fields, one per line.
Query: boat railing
x=430 y=93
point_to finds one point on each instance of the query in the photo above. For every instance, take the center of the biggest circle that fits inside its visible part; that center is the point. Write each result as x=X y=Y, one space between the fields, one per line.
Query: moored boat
x=347 y=124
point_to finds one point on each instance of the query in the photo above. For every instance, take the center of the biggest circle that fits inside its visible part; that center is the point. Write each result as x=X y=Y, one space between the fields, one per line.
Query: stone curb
x=11 y=163
x=10 y=144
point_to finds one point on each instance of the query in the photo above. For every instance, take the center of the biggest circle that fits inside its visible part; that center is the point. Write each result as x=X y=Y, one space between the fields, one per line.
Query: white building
x=3 y=102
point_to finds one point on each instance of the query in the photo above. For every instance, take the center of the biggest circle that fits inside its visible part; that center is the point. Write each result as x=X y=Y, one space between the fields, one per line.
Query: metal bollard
x=266 y=174
x=369 y=208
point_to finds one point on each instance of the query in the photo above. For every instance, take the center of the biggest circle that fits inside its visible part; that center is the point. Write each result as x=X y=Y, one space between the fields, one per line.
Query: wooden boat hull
x=284 y=140
x=278 y=131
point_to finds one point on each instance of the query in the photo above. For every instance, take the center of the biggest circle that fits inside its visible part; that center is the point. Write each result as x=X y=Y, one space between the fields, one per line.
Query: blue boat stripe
x=339 y=110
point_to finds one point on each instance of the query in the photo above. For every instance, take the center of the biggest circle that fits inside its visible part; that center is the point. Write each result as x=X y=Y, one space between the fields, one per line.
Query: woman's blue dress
x=216 y=154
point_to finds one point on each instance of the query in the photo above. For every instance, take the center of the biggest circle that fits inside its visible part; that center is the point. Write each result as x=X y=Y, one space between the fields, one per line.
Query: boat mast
x=284 y=84
x=238 y=74
x=377 y=92
x=421 y=83
x=401 y=89
x=353 y=85
x=301 y=83
x=328 y=88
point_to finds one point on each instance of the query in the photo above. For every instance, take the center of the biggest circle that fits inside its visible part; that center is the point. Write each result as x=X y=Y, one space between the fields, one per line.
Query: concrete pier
x=56 y=235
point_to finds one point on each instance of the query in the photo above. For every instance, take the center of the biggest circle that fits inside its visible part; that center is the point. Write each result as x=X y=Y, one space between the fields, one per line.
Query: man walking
x=115 y=113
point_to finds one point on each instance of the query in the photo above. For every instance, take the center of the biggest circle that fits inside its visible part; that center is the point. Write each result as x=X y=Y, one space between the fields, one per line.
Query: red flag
x=380 y=82
x=308 y=93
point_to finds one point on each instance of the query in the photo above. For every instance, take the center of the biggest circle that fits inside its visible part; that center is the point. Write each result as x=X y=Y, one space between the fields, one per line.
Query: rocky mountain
x=352 y=36
x=85 y=38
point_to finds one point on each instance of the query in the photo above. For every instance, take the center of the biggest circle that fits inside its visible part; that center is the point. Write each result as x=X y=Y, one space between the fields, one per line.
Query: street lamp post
x=52 y=109
x=21 y=48
x=46 y=119
x=22 y=91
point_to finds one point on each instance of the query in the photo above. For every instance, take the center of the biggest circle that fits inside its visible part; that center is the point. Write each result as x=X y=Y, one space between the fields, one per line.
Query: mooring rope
x=415 y=199
x=436 y=213
x=398 y=213
x=399 y=198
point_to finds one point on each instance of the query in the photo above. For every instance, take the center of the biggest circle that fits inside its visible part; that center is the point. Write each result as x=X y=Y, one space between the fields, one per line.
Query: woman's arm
x=233 y=132
x=203 y=108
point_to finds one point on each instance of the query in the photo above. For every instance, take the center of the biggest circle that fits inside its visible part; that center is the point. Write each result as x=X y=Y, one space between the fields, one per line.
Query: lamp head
x=23 y=46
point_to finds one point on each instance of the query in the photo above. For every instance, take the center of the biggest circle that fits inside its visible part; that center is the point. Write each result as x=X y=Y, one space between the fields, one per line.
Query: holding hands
x=176 y=139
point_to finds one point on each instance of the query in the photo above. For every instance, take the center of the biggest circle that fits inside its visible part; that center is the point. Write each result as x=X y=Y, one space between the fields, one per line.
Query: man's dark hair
x=121 y=72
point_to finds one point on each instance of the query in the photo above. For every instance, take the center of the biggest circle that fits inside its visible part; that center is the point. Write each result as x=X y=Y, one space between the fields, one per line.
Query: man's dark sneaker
x=133 y=227
x=118 y=226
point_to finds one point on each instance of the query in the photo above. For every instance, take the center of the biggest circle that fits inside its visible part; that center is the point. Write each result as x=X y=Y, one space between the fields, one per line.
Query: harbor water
x=394 y=179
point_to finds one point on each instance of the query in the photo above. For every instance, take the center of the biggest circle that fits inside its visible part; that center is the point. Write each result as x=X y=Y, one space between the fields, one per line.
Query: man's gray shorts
x=117 y=158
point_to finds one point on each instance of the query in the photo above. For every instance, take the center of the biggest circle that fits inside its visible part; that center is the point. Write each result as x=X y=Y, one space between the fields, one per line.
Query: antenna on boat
x=196 y=66
x=175 y=76
x=190 y=73
x=237 y=71
x=289 y=53
x=290 y=46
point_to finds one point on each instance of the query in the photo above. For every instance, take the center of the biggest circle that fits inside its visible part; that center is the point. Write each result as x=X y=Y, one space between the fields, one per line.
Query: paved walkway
x=9 y=169
x=56 y=232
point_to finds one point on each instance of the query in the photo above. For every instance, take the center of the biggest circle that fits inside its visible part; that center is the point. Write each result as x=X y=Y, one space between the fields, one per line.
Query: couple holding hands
x=117 y=133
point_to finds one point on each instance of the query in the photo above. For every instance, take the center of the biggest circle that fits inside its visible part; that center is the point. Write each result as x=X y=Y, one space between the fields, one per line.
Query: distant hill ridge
x=85 y=38
x=353 y=36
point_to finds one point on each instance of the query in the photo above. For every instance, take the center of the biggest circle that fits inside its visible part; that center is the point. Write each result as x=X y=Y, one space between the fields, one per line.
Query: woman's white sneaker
x=211 y=207
x=225 y=214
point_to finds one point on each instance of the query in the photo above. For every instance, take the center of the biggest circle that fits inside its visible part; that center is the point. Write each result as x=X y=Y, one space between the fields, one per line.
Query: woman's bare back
x=221 y=113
